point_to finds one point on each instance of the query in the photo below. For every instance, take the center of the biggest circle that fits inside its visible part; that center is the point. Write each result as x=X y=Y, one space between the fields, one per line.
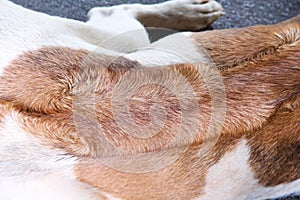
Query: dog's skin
x=94 y=111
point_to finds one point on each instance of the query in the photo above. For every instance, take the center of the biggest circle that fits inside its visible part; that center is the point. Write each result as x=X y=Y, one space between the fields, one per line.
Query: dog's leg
x=125 y=32
x=176 y=14
x=24 y=30
x=124 y=22
x=115 y=28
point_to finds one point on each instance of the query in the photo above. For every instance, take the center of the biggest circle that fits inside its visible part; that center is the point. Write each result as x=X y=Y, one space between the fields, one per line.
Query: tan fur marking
x=55 y=78
x=42 y=85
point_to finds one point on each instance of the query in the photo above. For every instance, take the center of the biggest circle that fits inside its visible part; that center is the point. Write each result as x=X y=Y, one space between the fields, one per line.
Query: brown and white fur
x=94 y=111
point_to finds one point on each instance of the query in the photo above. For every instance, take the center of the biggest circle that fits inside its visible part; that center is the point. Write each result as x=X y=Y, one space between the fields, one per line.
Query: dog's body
x=85 y=115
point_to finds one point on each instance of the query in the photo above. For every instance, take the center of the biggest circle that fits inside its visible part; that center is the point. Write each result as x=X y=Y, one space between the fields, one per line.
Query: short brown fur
x=261 y=74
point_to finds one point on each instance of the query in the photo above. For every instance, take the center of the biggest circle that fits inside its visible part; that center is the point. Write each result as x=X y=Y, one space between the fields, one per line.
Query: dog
x=95 y=111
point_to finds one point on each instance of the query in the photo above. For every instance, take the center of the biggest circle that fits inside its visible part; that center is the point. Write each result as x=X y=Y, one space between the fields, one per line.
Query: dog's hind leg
x=126 y=33
x=126 y=23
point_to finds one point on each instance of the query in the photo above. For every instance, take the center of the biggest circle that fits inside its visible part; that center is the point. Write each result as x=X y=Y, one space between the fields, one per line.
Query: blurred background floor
x=239 y=13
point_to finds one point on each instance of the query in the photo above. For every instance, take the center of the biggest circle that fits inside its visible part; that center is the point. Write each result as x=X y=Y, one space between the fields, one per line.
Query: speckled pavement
x=239 y=13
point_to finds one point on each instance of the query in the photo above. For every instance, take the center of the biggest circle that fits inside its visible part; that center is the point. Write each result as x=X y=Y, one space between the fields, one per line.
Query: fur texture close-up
x=91 y=109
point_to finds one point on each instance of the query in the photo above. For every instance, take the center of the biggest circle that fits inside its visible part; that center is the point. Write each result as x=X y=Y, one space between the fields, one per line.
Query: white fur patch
x=109 y=197
x=30 y=170
x=48 y=187
x=232 y=178
x=173 y=49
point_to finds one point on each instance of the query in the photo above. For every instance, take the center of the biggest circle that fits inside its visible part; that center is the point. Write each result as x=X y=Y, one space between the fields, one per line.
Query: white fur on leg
x=126 y=33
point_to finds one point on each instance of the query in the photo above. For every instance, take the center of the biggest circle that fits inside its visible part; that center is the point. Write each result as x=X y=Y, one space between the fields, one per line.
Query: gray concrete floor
x=239 y=13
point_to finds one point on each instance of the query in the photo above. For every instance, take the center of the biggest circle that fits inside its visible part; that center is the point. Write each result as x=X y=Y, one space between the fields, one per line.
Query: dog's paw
x=190 y=14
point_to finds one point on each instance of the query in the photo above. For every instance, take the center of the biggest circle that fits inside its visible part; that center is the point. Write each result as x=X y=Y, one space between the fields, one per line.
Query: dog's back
x=79 y=124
